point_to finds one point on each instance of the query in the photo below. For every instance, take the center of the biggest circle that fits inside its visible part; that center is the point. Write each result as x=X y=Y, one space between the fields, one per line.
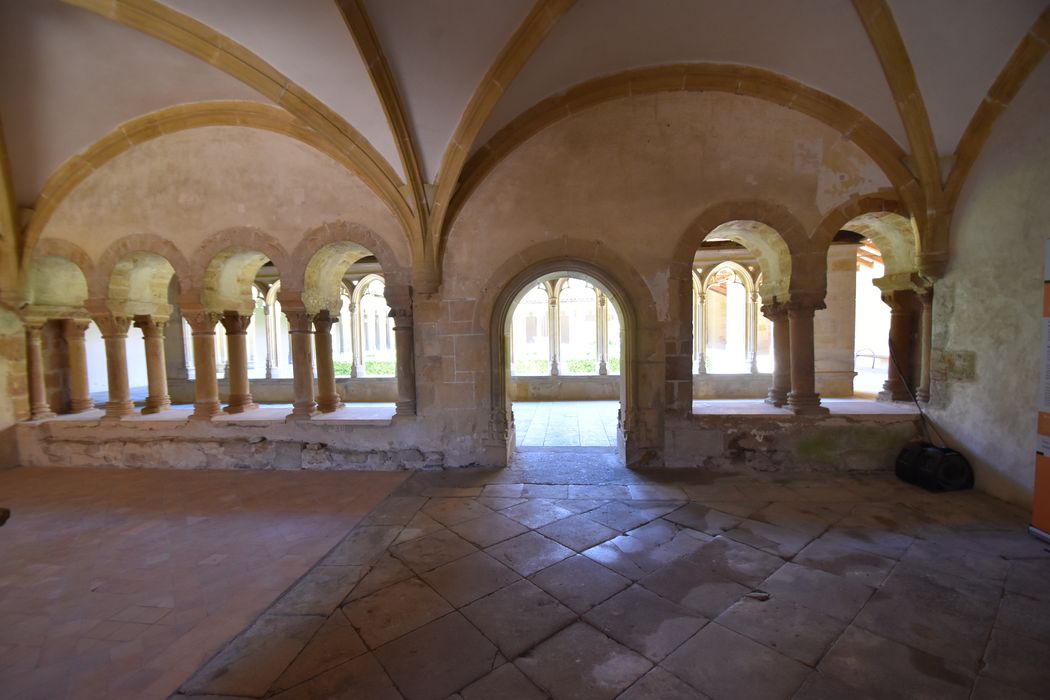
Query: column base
x=888 y=395
x=206 y=411
x=806 y=404
x=240 y=403
x=777 y=397
x=302 y=412
x=117 y=410
x=923 y=396
x=81 y=405
x=156 y=405
x=405 y=408
x=328 y=404
x=41 y=413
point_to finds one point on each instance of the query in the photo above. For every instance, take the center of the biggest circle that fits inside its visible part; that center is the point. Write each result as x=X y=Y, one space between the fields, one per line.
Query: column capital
x=201 y=321
x=804 y=305
x=299 y=320
x=323 y=321
x=73 y=328
x=150 y=326
x=774 y=310
x=235 y=323
x=111 y=325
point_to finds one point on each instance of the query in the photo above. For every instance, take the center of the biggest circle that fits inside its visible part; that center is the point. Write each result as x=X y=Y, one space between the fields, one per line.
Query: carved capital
x=323 y=322
x=235 y=323
x=74 y=328
x=112 y=326
x=299 y=320
x=150 y=326
x=202 y=322
x=775 y=311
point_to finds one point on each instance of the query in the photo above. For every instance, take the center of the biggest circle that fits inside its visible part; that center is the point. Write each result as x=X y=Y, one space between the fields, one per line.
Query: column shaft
x=404 y=340
x=553 y=315
x=701 y=365
x=328 y=398
x=156 y=364
x=299 y=329
x=79 y=390
x=926 y=297
x=752 y=331
x=115 y=334
x=777 y=313
x=206 y=385
x=803 y=397
x=899 y=374
x=38 y=404
x=236 y=327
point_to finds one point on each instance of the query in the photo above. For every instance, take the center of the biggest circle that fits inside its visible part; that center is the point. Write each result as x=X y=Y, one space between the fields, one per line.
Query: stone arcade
x=275 y=262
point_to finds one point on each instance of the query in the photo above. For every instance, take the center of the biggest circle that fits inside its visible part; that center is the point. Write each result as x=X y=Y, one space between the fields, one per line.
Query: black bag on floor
x=934 y=468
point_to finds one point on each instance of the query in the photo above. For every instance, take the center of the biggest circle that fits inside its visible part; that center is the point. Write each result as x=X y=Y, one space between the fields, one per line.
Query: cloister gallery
x=657 y=246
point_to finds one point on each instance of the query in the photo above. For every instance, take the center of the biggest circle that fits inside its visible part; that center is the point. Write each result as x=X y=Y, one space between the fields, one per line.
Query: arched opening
x=886 y=305
x=563 y=340
x=739 y=267
x=871 y=345
x=345 y=286
x=140 y=289
x=240 y=287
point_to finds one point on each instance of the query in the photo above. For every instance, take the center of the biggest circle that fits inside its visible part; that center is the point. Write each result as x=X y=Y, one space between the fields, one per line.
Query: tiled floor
x=118 y=584
x=566 y=576
x=565 y=423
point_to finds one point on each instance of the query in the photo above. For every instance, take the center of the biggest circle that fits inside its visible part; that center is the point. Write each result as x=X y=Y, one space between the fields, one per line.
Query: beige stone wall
x=14 y=394
x=988 y=308
x=622 y=182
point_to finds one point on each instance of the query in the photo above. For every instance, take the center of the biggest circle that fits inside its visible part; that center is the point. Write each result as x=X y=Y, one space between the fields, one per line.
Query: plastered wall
x=988 y=308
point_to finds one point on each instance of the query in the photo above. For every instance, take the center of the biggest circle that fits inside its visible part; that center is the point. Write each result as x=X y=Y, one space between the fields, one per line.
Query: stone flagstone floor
x=119 y=583
x=571 y=577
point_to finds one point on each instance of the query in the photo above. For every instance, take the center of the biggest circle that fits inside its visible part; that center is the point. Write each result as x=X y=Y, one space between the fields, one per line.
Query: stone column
x=777 y=313
x=752 y=331
x=701 y=364
x=206 y=385
x=926 y=297
x=156 y=364
x=898 y=375
x=328 y=398
x=404 y=340
x=300 y=329
x=601 y=318
x=115 y=334
x=73 y=330
x=803 y=398
x=554 y=336
x=357 y=367
x=271 y=338
x=236 y=327
x=38 y=405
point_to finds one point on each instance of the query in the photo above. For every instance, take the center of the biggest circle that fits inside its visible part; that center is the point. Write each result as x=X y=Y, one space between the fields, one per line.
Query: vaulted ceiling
x=422 y=84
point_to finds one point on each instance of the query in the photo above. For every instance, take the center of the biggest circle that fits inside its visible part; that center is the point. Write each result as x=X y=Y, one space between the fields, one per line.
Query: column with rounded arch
x=768 y=231
x=228 y=292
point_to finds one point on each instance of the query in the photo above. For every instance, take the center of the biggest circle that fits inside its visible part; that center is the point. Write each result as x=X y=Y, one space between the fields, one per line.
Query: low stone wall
x=731 y=386
x=789 y=443
x=564 y=388
x=360 y=389
x=364 y=445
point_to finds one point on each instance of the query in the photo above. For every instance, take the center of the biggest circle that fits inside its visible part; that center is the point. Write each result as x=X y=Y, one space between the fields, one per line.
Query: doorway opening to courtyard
x=564 y=365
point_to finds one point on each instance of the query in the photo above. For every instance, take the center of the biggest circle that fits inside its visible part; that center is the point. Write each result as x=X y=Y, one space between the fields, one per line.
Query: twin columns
x=794 y=377
x=309 y=333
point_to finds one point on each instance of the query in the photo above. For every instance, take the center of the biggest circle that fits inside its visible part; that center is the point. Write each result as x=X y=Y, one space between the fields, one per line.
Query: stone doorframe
x=501 y=422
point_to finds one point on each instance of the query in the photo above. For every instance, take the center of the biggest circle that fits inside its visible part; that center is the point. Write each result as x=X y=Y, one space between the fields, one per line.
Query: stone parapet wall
x=363 y=390
x=591 y=388
x=736 y=443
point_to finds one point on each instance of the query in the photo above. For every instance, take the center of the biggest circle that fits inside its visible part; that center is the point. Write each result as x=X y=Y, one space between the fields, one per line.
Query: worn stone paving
x=569 y=578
